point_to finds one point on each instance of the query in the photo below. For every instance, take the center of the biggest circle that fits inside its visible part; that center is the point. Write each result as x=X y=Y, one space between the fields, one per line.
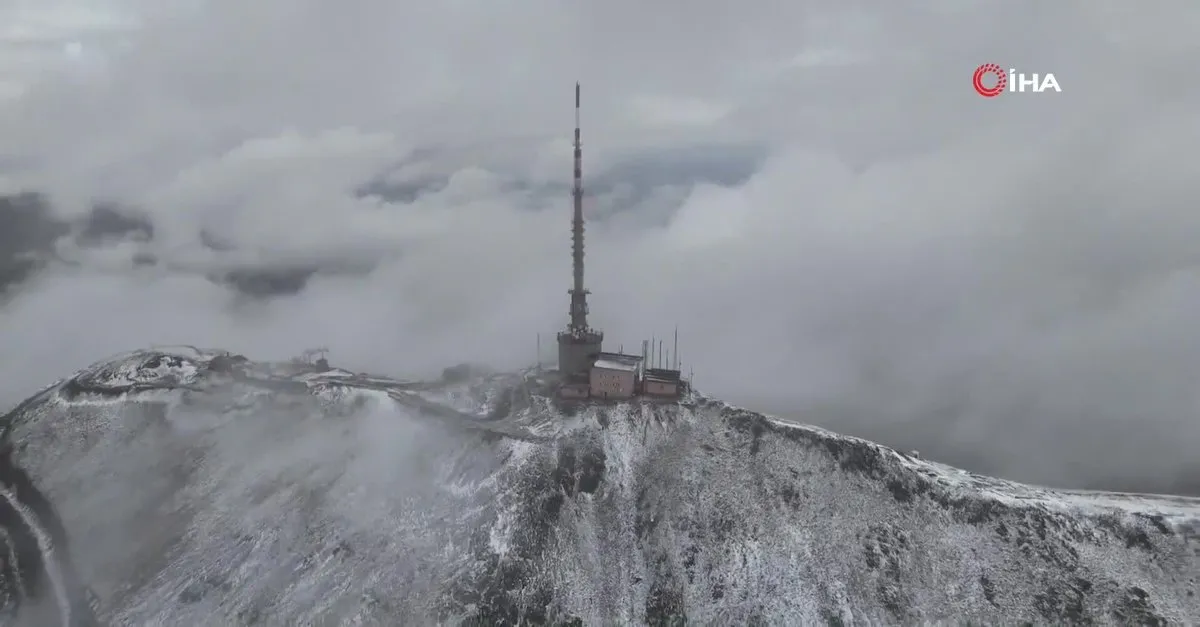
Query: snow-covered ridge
x=1166 y=508
x=303 y=495
x=170 y=367
x=150 y=369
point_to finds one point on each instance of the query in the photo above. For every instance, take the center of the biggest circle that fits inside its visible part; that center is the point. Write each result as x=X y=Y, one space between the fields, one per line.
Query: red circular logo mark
x=994 y=90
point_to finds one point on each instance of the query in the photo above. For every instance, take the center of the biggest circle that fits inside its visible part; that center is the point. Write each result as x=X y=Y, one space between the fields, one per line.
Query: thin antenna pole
x=660 y=361
x=539 y=351
x=676 y=351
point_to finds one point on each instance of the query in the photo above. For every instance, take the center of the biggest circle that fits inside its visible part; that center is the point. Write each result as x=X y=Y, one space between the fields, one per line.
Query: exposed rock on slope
x=195 y=491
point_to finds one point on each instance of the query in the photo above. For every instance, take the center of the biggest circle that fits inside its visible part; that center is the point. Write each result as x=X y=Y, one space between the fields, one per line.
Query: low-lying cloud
x=844 y=232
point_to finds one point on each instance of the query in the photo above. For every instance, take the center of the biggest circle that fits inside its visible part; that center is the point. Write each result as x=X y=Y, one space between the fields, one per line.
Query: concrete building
x=663 y=383
x=575 y=390
x=615 y=376
x=577 y=349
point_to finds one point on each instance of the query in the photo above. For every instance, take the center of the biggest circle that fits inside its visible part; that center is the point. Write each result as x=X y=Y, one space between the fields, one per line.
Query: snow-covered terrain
x=190 y=487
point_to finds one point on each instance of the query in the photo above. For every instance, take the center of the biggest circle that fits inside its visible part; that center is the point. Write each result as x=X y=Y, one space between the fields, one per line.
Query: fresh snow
x=304 y=497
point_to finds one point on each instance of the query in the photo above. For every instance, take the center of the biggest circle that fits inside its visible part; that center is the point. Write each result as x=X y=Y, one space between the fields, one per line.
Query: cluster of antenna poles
x=652 y=353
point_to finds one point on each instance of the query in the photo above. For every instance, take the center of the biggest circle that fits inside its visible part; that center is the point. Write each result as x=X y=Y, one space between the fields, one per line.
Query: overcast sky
x=843 y=230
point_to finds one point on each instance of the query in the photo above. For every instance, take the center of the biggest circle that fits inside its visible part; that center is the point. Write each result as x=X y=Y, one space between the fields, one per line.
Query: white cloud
x=1007 y=279
x=43 y=37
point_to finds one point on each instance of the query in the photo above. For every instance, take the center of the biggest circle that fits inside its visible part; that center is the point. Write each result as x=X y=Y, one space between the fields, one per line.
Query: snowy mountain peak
x=186 y=486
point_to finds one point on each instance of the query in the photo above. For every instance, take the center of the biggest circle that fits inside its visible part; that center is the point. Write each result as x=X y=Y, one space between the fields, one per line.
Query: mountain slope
x=195 y=487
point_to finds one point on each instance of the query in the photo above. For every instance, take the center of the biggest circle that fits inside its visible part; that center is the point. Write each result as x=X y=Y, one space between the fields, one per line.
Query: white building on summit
x=585 y=370
x=614 y=375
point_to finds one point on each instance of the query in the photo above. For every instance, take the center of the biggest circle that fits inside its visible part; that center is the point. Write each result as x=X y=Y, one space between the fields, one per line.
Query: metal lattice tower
x=579 y=307
x=579 y=343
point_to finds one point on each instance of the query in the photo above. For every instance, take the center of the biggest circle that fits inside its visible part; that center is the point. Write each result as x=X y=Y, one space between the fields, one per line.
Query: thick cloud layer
x=843 y=230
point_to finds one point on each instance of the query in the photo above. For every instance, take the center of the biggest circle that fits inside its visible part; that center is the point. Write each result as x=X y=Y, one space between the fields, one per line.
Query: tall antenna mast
x=579 y=307
x=578 y=344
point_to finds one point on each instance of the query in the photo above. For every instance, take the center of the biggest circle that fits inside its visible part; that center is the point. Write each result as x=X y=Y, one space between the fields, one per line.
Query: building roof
x=617 y=361
x=663 y=374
